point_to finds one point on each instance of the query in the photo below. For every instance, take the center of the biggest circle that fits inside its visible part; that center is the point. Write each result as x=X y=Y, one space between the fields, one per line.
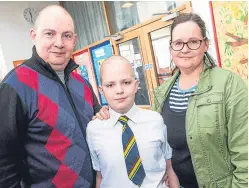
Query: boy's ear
x=101 y=90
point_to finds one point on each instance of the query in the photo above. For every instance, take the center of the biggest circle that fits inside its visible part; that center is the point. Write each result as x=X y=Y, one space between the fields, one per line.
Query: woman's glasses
x=192 y=44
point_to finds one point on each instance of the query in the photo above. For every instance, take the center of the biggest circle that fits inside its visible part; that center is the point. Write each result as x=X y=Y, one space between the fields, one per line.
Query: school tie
x=133 y=162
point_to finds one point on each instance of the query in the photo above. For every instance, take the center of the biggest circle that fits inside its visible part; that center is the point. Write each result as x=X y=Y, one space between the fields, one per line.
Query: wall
x=231 y=20
x=202 y=8
x=14 y=33
x=3 y=70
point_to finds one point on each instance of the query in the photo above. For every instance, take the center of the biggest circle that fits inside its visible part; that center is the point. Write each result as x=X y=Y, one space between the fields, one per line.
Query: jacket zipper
x=74 y=110
x=72 y=104
x=191 y=153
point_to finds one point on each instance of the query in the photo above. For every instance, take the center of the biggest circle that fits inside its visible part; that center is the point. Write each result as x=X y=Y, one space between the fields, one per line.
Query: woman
x=205 y=109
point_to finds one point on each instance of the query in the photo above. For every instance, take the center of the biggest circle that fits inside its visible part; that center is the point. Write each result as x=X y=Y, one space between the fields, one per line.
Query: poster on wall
x=17 y=62
x=99 y=53
x=230 y=20
x=85 y=68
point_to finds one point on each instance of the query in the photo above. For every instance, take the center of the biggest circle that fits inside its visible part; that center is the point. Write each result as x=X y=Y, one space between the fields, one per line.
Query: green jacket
x=216 y=127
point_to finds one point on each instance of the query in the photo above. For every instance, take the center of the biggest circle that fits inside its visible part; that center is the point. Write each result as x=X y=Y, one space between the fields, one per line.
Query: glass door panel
x=130 y=49
x=160 y=43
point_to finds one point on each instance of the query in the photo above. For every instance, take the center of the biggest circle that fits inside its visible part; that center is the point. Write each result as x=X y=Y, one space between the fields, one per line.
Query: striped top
x=178 y=98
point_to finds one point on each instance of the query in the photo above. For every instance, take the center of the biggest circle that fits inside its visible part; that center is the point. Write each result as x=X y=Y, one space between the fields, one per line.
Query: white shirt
x=105 y=143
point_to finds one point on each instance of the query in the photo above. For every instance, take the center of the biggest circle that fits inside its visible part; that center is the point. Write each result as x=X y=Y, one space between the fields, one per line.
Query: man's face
x=54 y=39
x=119 y=87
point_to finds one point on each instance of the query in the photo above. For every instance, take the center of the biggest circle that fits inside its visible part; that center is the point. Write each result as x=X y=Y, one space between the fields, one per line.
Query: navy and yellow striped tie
x=133 y=161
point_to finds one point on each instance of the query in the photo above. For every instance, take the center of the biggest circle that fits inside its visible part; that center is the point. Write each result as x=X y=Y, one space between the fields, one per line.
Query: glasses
x=192 y=44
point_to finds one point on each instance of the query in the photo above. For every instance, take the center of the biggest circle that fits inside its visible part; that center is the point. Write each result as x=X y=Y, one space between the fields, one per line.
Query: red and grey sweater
x=42 y=127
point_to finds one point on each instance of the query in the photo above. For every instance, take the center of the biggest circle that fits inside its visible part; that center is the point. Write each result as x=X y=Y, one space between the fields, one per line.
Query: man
x=44 y=110
x=129 y=149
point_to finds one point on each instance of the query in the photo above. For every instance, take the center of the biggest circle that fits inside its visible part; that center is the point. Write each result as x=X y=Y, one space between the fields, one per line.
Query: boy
x=129 y=149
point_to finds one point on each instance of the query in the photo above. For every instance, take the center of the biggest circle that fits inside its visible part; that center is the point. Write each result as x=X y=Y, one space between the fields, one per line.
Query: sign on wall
x=99 y=53
x=85 y=68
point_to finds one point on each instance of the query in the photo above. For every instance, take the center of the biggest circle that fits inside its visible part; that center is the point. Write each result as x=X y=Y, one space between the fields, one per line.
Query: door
x=132 y=49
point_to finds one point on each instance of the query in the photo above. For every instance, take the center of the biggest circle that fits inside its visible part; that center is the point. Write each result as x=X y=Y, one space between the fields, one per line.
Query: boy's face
x=119 y=86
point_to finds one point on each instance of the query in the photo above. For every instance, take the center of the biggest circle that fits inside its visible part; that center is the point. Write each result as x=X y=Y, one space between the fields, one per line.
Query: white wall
x=202 y=8
x=14 y=33
x=3 y=70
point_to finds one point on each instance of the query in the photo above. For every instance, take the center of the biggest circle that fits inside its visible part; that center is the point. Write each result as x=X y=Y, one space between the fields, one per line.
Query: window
x=125 y=14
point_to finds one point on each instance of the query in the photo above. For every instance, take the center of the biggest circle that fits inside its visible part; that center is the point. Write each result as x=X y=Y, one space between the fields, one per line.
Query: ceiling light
x=127 y=5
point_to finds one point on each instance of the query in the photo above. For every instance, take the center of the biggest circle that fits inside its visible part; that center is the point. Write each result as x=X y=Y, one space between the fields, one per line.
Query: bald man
x=44 y=110
x=130 y=149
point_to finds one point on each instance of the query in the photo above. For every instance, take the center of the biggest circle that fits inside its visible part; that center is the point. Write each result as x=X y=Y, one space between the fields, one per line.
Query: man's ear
x=32 y=34
x=75 y=39
x=101 y=90
x=136 y=86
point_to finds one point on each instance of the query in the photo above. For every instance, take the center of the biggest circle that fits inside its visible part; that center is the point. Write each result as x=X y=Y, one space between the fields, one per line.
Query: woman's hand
x=166 y=180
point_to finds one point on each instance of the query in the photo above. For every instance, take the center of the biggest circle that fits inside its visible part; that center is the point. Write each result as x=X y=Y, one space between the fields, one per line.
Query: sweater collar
x=44 y=65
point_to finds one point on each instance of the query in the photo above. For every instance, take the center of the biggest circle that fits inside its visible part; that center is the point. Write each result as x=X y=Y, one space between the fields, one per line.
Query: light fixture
x=117 y=37
x=127 y=5
x=170 y=16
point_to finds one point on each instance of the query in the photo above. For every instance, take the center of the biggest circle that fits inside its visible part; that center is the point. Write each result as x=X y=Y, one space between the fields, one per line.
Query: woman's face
x=188 y=58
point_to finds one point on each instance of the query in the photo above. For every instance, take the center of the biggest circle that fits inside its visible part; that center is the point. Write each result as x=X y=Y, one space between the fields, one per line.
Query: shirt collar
x=132 y=114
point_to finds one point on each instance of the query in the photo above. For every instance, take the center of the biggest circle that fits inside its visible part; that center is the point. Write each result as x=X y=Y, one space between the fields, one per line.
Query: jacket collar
x=46 y=69
x=204 y=84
